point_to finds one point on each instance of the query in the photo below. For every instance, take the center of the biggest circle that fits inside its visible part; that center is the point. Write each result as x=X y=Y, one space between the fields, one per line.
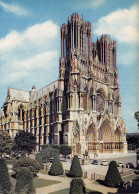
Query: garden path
x=65 y=183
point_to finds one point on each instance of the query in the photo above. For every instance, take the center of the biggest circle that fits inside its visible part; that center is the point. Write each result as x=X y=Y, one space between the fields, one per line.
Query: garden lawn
x=38 y=183
x=44 y=171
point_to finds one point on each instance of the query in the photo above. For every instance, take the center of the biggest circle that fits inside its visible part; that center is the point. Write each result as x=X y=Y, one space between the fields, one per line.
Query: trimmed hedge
x=33 y=165
x=65 y=150
x=24 y=182
x=77 y=186
x=113 y=178
x=48 y=152
x=39 y=160
x=4 y=177
x=56 y=167
x=75 y=169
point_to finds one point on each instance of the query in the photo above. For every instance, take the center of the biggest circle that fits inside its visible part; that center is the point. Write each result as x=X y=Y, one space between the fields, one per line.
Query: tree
x=5 y=143
x=4 y=177
x=56 y=167
x=39 y=160
x=25 y=141
x=33 y=165
x=65 y=150
x=24 y=182
x=77 y=186
x=75 y=169
x=48 y=152
x=113 y=178
x=133 y=142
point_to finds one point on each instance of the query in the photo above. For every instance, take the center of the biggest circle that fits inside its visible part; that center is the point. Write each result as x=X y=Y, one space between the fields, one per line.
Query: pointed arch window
x=21 y=113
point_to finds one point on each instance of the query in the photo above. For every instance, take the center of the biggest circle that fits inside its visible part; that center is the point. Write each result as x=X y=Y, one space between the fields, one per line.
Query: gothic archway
x=107 y=136
x=118 y=139
x=91 y=137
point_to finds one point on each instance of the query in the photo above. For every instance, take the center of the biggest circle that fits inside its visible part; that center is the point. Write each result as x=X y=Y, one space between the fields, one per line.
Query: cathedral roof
x=45 y=90
x=19 y=95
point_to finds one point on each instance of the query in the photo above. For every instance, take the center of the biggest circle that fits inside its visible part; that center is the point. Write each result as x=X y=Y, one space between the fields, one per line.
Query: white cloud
x=120 y=24
x=97 y=3
x=13 y=76
x=22 y=53
x=45 y=60
x=13 y=8
x=90 y=4
x=36 y=34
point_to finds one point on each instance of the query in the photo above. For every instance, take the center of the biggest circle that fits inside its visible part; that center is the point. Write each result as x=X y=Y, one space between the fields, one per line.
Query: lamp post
x=136 y=116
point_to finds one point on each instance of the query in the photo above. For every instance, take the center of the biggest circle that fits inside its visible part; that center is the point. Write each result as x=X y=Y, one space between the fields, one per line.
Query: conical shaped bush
x=77 y=186
x=113 y=178
x=4 y=177
x=75 y=169
x=56 y=168
x=24 y=181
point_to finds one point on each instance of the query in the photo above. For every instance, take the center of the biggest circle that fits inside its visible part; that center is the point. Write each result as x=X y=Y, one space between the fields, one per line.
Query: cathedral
x=82 y=107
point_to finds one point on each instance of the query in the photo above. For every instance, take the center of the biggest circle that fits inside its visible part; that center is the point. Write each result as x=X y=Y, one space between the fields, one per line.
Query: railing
x=93 y=176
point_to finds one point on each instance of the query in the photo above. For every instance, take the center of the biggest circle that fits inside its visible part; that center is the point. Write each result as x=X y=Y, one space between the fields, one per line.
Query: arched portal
x=118 y=139
x=107 y=137
x=91 y=138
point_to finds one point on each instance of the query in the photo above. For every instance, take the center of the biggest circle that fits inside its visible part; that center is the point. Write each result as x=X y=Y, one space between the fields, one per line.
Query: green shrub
x=45 y=146
x=47 y=153
x=4 y=177
x=23 y=154
x=56 y=168
x=77 y=186
x=75 y=169
x=56 y=146
x=24 y=182
x=1 y=190
x=113 y=178
x=33 y=165
x=65 y=150
x=39 y=160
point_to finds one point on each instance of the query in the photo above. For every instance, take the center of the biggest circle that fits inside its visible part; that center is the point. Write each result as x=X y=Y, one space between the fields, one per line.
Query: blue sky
x=30 y=43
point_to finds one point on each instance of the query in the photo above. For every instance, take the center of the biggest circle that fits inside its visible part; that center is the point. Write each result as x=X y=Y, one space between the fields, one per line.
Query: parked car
x=130 y=165
x=95 y=162
x=120 y=164
x=51 y=159
x=104 y=163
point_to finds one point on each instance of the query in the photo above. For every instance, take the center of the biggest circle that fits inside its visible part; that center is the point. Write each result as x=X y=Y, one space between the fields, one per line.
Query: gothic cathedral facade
x=82 y=107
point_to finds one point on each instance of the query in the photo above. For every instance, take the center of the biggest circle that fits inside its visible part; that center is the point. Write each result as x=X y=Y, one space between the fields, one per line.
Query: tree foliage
x=77 y=186
x=133 y=142
x=75 y=169
x=65 y=150
x=48 y=152
x=56 y=167
x=39 y=160
x=4 y=177
x=25 y=141
x=33 y=165
x=24 y=182
x=6 y=143
x=113 y=178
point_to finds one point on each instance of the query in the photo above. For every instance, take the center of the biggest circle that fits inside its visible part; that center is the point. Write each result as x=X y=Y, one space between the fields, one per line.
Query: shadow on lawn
x=94 y=192
x=102 y=182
